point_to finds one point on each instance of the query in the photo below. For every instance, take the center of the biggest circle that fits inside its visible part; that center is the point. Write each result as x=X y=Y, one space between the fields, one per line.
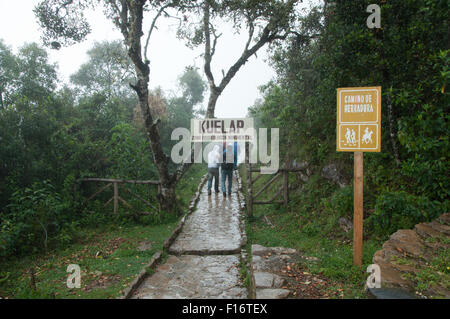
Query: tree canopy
x=108 y=71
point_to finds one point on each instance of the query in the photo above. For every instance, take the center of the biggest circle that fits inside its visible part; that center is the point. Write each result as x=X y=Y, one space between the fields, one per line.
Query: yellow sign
x=359 y=119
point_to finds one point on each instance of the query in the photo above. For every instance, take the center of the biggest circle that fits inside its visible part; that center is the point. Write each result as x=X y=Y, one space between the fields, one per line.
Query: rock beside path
x=268 y=280
x=268 y=267
x=259 y=250
x=272 y=293
x=410 y=252
x=332 y=173
x=144 y=246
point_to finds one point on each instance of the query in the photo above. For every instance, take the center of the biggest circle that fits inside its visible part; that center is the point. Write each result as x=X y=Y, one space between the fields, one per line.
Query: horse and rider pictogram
x=367 y=137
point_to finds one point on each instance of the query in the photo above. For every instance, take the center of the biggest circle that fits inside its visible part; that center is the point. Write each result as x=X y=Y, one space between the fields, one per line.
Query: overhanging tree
x=63 y=23
x=265 y=22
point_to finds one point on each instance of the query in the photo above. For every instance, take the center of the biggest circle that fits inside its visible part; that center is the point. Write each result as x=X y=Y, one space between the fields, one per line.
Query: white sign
x=222 y=130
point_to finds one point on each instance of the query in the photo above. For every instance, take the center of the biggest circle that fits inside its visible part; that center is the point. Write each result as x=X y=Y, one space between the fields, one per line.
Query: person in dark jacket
x=228 y=167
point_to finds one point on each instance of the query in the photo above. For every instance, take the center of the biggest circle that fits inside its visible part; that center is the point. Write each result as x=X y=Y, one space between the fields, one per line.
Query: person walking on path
x=229 y=163
x=213 y=168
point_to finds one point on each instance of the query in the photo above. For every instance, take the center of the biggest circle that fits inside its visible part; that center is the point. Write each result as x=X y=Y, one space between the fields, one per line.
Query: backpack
x=228 y=166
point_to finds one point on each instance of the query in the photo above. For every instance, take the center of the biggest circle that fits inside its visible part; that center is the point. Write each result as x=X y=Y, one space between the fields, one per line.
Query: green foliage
x=63 y=21
x=130 y=153
x=192 y=86
x=181 y=108
x=425 y=135
x=109 y=71
x=341 y=202
x=36 y=215
x=59 y=136
x=400 y=210
x=261 y=18
x=407 y=57
x=8 y=67
x=27 y=76
x=36 y=78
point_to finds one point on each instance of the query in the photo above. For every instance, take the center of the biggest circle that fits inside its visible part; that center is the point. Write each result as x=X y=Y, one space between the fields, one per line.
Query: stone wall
x=410 y=251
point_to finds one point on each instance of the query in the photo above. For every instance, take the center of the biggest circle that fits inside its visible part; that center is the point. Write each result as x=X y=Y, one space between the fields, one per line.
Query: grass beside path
x=102 y=276
x=309 y=227
x=107 y=255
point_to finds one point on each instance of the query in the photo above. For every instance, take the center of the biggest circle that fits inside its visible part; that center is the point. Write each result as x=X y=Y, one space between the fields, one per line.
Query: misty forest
x=86 y=175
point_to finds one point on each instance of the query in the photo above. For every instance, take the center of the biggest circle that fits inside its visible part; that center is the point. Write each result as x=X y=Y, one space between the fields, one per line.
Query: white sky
x=168 y=55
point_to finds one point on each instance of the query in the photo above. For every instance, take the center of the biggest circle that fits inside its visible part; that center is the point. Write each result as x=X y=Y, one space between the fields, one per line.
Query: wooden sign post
x=358 y=208
x=358 y=130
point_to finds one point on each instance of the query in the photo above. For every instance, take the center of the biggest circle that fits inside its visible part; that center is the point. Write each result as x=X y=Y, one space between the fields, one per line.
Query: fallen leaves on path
x=305 y=285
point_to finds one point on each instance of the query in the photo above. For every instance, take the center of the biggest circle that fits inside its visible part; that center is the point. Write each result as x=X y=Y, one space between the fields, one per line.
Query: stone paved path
x=204 y=260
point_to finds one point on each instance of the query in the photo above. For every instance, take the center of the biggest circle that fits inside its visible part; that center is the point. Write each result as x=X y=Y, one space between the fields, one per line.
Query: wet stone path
x=204 y=259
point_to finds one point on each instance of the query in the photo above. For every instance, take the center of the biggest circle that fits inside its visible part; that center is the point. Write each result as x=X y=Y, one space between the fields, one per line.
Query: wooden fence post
x=158 y=196
x=248 y=174
x=116 y=197
x=286 y=187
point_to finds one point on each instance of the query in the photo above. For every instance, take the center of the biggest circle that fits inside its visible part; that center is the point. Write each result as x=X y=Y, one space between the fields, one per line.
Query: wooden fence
x=252 y=194
x=116 y=197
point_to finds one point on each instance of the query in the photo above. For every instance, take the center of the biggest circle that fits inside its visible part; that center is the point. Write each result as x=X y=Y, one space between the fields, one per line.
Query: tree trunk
x=267 y=36
x=393 y=130
x=213 y=96
x=166 y=197
x=133 y=35
x=390 y=112
x=168 y=200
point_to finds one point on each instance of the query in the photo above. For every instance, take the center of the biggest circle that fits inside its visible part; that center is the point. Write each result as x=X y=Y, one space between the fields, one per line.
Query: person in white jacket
x=213 y=168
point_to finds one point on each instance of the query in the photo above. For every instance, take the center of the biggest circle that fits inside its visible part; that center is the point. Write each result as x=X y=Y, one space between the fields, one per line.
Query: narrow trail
x=204 y=260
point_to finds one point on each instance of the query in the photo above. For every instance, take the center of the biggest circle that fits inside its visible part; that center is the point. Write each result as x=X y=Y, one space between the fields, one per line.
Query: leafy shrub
x=36 y=216
x=397 y=210
x=341 y=202
x=129 y=149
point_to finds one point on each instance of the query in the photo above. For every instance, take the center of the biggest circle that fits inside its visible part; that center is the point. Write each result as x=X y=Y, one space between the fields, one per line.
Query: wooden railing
x=253 y=194
x=252 y=199
x=116 y=197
